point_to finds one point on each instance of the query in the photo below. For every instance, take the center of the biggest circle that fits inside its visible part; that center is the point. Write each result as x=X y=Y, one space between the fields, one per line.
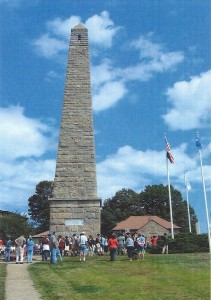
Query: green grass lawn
x=174 y=276
x=2 y=280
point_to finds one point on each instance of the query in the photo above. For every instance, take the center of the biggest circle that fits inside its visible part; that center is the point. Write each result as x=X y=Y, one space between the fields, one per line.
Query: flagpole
x=187 y=203
x=205 y=199
x=169 y=190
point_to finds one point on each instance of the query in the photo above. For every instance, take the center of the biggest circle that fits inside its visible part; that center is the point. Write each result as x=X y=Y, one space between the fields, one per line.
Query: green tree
x=15 y=224
x=154 y=200
x=39 y=208
x=124 y=204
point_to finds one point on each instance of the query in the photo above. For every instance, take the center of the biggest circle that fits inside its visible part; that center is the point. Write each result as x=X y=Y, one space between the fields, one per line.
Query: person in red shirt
x=1 y=246
x=154 y=241
x=113 y=245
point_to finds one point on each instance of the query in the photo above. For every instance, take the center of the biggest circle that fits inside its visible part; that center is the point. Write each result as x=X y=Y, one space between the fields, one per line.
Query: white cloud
x=101 y=29
x=131 y=168
x=147 y=48
x=156 y=52
x=61 y=28
x=18 y=180
x=154 y=59
x=190 y=101
x=24 y=141
x=109 y=83
x=23 y=166
x=56 y=39
x=102 y=73
x=49 y=46
x=207 y=150
x=21 y=136
x=195 y=176
x=109 y=94
x=107 y=88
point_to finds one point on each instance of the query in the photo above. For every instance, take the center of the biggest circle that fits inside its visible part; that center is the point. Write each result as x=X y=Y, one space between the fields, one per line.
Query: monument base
x=74 y=216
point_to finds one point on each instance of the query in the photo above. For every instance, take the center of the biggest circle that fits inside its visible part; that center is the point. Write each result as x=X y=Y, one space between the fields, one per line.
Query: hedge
x=184 y=243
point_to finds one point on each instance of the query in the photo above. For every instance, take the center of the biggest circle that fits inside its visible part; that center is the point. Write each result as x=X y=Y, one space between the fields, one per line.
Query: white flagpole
x=170 y=205
x=169 y=189
x=205 y=200
x=187 y=203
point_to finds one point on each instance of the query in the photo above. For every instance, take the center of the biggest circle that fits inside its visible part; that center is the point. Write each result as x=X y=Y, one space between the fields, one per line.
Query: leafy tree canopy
x=39 y=208
x=124 y=204
x=15 y=224
x=154 y=200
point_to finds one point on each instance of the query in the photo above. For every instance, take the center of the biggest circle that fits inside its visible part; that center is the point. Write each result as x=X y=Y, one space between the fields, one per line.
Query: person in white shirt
x=20 y=242
x=82 y=242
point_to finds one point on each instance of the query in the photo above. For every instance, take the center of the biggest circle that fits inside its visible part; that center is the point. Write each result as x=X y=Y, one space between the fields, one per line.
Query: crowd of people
x=17 y=249
x=53 y=247
x=76 y=245
x=132 y=245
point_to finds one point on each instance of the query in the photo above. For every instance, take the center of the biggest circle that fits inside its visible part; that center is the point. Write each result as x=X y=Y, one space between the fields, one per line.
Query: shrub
x=184 y=243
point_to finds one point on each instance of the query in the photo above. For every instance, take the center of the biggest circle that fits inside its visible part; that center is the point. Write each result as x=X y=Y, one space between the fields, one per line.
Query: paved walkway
x=19 y=285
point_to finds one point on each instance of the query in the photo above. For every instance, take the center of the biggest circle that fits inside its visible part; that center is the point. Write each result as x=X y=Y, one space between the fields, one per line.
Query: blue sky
x=151 y=74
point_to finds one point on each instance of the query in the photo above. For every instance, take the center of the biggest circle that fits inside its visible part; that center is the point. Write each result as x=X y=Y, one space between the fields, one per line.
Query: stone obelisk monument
x=75 y=206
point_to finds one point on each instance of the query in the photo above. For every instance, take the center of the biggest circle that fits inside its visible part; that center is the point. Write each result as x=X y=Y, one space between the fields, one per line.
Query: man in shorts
x=82 y=242
x=141 y=245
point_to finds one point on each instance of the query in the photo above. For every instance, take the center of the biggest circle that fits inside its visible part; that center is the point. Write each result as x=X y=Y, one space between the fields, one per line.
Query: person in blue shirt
x=141 y=245
x=8 y=250
x=54 y=248
x=30 y=248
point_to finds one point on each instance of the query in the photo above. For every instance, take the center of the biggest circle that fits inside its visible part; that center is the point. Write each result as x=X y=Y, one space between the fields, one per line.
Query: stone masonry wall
x=75 y=177
x=75 y=186
x=152 y=228
x=62 y=211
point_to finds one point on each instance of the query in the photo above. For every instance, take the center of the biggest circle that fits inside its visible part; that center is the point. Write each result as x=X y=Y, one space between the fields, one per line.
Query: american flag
x=168 y=153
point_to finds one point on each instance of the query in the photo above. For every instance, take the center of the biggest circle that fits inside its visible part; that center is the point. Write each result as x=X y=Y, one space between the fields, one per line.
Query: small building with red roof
x=149 y=226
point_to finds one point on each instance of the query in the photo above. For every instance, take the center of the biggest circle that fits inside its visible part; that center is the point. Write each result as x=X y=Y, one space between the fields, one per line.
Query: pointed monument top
x=79 y=26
